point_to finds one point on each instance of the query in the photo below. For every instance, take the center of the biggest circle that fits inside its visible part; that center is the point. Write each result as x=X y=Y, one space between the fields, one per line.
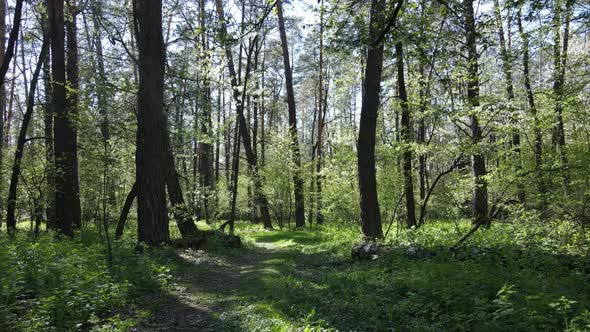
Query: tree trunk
x=205 y=150
x=153 y=147
x=2 y=94
x=72 y=93
x=369 y=202
x=507 y=71
x=180 y=210
x=101 y=77
x=22 y=139
x=67 y=202
x=538 y=135
x=321 y=117
x=297 y=180
x=125 y=211
x=49 y=151
x=406 y=138
x=244 y=134
x=479 y=203
x=12 y=38
x=560 y=61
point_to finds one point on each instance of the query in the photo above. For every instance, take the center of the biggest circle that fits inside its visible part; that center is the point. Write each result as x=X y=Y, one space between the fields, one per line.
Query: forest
x=295 y=165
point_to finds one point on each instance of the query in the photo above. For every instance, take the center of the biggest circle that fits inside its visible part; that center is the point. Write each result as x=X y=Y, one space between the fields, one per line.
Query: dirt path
x=207 y=285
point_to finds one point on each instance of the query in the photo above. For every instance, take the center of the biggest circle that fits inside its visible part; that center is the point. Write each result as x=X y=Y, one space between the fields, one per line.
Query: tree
x=297 y=180
x=22 y=139
x=538 y=135
x=67 y=201
x=72 y=93
x=244 y=133
x=406 y=138
x=479 y=201
x=152 y=155
x=506 y=56
x=369 y=202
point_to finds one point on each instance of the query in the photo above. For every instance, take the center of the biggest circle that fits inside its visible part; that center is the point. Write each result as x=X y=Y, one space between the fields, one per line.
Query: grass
x=521 y=277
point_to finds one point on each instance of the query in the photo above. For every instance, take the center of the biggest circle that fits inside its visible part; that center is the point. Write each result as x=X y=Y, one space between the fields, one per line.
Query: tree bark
x=125 y=211
x=22 y=139
x=479 y=203
x=406 y=138
x=2 y=94
x=153 y=147
x=369 y=202
x=295 y=153
x=49 y=150
x=72 y=93
x=206 y=149
x=67 y=202
x=12 y=39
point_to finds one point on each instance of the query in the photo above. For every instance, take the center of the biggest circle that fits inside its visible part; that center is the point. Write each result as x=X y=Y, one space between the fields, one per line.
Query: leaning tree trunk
x=67 y=202
x=125 y=211
x=479 y=203
x=22 y=139
x=297 y=180
x=152 y=163
x=406 y=138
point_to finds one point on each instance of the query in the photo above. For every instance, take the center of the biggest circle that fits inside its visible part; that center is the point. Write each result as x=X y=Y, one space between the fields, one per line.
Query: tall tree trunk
x=67 y=202
x=421 y=139
x=321 y=116
x=72 y=93
x=369 y=202
x=244 y=134
x=153 y=147
x=234 y=184
x=479 y=203
x=101 y=77
x=538 y=135
x=22 y=139
x=406 y=138
x=297 y=179
x=2 y=95
x=206 y=149
x=560 y=61
x=506 y=56
x=49 y=150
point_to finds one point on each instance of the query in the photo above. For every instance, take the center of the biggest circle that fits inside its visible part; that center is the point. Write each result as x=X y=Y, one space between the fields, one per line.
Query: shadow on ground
x=270 y=285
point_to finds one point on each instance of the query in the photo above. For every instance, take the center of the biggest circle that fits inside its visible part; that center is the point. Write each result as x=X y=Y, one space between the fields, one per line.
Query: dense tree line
x=458 y=109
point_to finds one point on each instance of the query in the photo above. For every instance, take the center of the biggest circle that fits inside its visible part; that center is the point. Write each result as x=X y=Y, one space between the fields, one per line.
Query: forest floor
x=306 y=280
x=515 y=276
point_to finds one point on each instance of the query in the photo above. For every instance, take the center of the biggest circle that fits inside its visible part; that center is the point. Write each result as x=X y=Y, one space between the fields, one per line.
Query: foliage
x=57 y=285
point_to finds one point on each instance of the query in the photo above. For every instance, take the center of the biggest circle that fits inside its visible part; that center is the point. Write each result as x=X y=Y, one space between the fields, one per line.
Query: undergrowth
x=522 y=276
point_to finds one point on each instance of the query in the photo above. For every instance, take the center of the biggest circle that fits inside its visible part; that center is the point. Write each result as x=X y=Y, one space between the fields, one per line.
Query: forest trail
x=207 y=286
